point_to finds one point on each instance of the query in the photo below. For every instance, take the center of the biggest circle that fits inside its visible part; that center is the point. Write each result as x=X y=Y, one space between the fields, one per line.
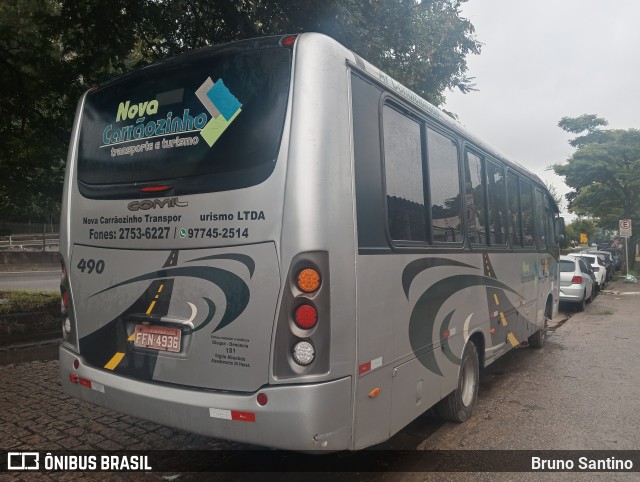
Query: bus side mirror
x=560 y=231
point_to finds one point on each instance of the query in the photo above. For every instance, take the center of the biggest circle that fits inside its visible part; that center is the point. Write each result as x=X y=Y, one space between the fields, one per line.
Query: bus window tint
x=474 y=199
x=526 y=206
x=403 y=175
x=514 y=209
x=497 y=204
x=444 y=187
x=203 y=148
x=540 y=220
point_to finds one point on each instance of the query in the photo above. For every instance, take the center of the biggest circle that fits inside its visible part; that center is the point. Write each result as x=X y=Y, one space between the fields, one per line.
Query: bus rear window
x=209 y=121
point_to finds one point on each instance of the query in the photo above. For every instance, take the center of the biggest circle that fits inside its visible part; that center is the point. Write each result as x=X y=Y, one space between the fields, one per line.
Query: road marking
x=503 y=319
x=117 y=358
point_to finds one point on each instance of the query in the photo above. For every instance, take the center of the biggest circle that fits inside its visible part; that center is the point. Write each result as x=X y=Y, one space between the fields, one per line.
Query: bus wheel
x=539 y=337
x=459 y=404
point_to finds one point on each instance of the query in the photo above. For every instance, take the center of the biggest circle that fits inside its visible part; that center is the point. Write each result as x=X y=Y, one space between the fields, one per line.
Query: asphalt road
x=30 y=280
x=580 y=392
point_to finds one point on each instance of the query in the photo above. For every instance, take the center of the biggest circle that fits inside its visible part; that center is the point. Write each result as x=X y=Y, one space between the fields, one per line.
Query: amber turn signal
x=308 y=280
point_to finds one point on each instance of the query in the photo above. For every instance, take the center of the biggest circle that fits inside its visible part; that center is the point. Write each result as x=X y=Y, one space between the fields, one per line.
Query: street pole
x=626 y=256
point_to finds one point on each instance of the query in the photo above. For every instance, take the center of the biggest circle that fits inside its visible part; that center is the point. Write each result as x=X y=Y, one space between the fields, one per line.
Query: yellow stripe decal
x=132 y=337
x=513 y=340
x=495 y=297
x=503 y=319
x=160 y=289
x=117 y=358
x=153 y=303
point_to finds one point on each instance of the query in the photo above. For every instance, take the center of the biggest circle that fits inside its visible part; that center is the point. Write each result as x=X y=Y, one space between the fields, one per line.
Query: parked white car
x=598 y=267
x=576 y=285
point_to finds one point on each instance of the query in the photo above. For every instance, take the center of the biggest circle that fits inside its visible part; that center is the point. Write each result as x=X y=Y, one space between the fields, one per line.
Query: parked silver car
x=576 y=284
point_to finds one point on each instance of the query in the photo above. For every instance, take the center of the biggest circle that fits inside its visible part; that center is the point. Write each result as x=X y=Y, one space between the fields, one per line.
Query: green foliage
x=51 y=51
x=12 y=302
x=423 y=44
x=586 y=122
x=582 y=225
x=604 y=173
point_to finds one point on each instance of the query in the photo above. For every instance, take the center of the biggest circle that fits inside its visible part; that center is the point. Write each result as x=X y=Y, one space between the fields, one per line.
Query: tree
x=579 y=226
x=51 y=51
x=423 y=44
x=604 y=172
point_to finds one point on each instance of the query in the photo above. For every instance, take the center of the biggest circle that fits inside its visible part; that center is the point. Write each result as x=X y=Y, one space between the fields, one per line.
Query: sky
x=542 y=60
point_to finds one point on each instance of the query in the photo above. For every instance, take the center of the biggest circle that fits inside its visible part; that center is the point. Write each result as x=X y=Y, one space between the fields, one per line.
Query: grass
x=12 y=302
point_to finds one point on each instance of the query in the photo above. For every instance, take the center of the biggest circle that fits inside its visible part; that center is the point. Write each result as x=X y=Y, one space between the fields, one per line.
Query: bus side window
x=444 y=188
x=526 y=207
x=496 y=188
x=475 y=198
x=514 y=210
x=540 y=214
x=404 y=176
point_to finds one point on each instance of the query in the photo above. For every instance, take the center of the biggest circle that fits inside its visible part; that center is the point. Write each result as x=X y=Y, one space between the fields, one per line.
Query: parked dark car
x=617 y=257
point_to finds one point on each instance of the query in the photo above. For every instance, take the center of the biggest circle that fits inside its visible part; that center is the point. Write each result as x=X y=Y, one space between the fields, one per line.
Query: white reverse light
x=303 y=353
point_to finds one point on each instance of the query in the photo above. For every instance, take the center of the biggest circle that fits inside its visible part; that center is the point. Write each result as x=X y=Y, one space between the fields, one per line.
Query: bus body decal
x=229 y=283
x=109 y=346
x=423 y=316
x=241 y=258
x=414 y=268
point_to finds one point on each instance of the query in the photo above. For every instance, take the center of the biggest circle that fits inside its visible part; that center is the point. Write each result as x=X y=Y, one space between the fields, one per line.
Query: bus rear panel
x=185 y=303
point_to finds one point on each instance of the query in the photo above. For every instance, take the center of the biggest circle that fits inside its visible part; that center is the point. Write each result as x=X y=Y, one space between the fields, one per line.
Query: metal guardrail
x=29 y=242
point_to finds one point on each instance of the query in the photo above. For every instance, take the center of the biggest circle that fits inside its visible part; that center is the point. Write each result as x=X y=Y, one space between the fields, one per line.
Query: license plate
x=157 y=337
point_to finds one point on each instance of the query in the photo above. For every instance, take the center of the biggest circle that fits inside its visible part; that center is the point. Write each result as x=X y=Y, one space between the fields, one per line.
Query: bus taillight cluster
x=305 y=314
x=65 y=299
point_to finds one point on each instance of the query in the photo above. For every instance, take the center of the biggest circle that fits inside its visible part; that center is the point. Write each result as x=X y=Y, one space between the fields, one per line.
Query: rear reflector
x=98 y=387
x=576 y=280
x=235 y=415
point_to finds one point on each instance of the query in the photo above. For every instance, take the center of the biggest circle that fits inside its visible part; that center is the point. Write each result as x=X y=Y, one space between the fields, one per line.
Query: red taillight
x=577 y=280
x=306 y=316
x=64 y=289
x=155 y=188
x=288 y=41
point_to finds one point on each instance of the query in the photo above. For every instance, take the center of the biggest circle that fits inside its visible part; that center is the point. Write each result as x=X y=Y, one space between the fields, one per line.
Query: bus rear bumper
x=296 y=417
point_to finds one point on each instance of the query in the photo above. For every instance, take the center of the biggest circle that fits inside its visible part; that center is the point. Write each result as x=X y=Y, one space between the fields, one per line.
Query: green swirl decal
x=235 y=290
x=419 y=265
x=423 y=316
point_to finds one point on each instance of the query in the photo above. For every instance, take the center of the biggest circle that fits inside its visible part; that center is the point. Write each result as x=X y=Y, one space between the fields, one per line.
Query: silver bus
x=272 y=241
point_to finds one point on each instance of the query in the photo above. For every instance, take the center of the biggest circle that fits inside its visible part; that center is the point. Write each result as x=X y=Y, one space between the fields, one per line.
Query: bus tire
x=539 y=337
x=459 y=404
